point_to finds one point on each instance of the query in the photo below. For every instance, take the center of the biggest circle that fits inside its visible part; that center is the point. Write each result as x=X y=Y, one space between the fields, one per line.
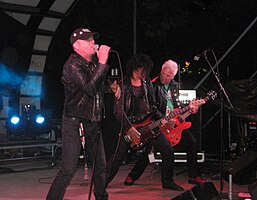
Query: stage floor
x=31 y=180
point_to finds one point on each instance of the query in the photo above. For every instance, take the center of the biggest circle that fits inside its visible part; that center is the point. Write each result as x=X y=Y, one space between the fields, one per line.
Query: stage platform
x=30 y=179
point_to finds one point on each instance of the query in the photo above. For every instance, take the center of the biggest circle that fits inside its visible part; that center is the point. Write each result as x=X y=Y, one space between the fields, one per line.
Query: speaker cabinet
x=253 y=190
x=242 y=169
x=203 y=191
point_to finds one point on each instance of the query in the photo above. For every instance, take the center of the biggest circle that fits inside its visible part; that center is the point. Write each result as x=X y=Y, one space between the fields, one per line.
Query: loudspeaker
x=203 y=191
x=242 y=169
x=253 y=190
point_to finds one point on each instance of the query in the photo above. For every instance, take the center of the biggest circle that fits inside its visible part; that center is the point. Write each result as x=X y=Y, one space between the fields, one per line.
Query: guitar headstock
x=198 y=102
x=211 y=95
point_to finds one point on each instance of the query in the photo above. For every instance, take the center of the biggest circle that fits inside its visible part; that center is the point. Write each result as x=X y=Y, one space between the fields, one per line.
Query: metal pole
x=230 y=193
x=134 y=27
x=227 y=52
x=251 y=77
x=229 y=131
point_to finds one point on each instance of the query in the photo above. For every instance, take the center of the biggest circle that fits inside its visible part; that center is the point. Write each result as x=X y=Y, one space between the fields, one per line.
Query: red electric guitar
x=146 y=125
x=174 y=130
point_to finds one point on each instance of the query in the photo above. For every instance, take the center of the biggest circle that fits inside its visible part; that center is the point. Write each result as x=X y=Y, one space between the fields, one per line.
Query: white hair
x=170 y=64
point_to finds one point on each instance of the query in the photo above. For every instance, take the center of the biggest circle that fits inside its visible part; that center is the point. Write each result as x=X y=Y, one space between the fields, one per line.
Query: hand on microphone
x=102 y=53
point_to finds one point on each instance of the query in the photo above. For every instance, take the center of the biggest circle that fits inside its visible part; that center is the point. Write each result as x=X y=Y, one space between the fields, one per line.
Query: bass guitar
x=145 y=127
x=173 y=131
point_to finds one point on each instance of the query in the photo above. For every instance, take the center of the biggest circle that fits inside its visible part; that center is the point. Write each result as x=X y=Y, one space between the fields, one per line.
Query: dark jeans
x=161 y=144
x=187 y=140
x=71 y=146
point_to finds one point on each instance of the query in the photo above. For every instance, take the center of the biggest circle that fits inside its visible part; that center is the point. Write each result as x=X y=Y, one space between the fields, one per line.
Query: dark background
x=166 y=29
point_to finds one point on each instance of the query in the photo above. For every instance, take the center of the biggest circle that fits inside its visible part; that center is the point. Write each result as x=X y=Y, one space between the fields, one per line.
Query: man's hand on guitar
x=171 y=123
x=195 y=104
x=164 y=122
x=134 y=136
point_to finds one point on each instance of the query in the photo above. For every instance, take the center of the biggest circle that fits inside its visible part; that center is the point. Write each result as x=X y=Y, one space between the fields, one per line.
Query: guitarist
x=138 y=101
x=166 y=92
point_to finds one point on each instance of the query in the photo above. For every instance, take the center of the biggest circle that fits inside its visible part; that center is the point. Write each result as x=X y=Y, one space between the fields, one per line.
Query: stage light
x=15 y=120
x=31 y=124
x=40 y=122
x=40 y=119
x=15 y=125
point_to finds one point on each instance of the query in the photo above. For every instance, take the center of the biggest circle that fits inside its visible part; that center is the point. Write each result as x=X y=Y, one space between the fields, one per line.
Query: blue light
x=40 y=119
x=15 y=120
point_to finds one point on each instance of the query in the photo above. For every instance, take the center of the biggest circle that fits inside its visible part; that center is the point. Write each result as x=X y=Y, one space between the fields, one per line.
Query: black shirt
x=141 y=107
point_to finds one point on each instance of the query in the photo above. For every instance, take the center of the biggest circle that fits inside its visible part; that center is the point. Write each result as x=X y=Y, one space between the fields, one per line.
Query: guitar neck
x=183 y=111
x=170 y=116
x=178 y=112
x=189 y=112
x=185 y=115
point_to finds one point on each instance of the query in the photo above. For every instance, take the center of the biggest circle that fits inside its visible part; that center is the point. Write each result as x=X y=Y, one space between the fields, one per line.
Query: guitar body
x=146 y=125
x=173 y=133
x=173 y=130
x=145 y=131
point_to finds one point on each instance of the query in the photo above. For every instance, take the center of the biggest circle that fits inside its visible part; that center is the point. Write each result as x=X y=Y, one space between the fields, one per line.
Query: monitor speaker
x=242 y=169
x=253 y=190
x=203 y=191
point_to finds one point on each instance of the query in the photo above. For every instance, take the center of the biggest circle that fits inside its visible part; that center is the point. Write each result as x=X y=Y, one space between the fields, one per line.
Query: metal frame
x=53 y=146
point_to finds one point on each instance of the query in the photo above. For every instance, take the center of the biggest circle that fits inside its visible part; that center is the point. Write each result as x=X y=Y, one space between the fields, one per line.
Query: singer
x=84 y=85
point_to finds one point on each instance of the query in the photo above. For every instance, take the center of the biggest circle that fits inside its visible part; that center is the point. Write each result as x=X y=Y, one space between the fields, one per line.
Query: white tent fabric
x=52 y=12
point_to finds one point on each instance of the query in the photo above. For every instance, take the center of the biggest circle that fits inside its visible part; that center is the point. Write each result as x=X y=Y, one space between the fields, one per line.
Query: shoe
x=128 y=181
x=173 y=186
x=196 y=180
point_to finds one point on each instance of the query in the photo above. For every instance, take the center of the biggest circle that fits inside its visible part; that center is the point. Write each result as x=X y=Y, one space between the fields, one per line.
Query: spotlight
x=15 y=120
x=40 y=122
x=30 y=125
x=40 y=119
x=15 y=125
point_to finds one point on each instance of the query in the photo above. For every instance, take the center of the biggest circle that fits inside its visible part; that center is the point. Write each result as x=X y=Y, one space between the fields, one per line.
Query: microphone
x=97 y=46
x=197 y=57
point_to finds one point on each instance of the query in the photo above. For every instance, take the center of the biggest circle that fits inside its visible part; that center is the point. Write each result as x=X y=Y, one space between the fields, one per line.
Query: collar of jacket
x=84 y=60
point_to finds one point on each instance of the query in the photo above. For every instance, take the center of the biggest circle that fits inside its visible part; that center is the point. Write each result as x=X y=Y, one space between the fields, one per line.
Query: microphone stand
x=222 y=94
x=83 y=143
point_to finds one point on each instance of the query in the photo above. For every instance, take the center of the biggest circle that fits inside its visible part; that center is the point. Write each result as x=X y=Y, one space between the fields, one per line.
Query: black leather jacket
x=83 y=86
x=161 y=95
x=128 y=104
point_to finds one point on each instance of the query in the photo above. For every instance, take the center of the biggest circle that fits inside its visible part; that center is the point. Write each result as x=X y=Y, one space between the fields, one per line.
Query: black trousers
x=71 y=146
x=161 y=144
x=188 y=141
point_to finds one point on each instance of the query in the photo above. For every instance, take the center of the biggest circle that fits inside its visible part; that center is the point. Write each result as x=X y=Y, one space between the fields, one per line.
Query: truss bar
x=227 y=52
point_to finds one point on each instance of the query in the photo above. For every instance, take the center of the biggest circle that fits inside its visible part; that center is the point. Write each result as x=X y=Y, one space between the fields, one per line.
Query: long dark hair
x=139 y=60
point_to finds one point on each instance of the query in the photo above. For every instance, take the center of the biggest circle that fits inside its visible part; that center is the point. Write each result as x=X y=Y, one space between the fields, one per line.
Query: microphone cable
x=121 y=124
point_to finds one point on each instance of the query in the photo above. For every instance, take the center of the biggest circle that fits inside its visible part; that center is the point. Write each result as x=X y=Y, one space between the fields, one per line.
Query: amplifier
x=251 y=129
x=185 y=96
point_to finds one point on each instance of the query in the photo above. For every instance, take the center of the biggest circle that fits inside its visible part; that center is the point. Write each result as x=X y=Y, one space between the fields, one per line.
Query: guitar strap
x=174 y=89
x=150 y=97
